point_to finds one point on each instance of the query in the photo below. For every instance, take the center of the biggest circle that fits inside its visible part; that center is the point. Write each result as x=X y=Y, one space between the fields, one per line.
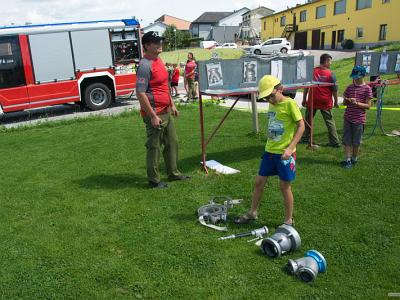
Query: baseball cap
x=358 y=72
x=151 y=37
x=266 y=85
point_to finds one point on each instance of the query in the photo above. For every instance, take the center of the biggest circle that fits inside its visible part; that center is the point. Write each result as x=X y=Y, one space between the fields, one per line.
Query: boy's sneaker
x=346 y=164
x=353 y=161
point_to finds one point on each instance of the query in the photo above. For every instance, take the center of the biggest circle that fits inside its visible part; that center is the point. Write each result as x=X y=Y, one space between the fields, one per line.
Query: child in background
x=175 y=80
x=168 y=66
x=357 y=97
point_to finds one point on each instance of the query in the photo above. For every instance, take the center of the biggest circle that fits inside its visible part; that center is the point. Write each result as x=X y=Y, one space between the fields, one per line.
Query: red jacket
x=322 y=95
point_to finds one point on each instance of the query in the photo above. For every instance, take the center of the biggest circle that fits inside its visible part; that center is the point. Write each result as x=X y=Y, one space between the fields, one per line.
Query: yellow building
x=324 y=24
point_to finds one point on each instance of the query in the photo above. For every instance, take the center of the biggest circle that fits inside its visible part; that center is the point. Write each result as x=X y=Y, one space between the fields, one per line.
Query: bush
x=347 y=44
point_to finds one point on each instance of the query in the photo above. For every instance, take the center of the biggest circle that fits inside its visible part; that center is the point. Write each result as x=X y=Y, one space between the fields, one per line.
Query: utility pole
x=175 y=37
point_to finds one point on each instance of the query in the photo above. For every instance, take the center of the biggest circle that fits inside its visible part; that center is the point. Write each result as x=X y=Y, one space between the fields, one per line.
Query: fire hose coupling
x=285 y=239
x=258 y=233
x=307 y=267
x=215 y=213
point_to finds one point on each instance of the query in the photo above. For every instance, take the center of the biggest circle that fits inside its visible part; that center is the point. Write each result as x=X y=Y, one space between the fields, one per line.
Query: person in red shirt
x=157 y=108
x=323 y=100
x=175 y=79
x=190 y=70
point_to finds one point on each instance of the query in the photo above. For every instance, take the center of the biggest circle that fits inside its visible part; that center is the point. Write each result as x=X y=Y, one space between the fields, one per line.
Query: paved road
x=336 y=54
x=62 y=112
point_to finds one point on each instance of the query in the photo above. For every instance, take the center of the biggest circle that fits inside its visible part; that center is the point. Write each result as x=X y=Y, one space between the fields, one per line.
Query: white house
x=157 y=26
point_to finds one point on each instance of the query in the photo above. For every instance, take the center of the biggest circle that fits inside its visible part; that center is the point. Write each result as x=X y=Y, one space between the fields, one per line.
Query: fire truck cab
x=90 y=63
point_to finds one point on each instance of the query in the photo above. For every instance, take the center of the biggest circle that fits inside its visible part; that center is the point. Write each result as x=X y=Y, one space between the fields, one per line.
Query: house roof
x=260 y=8
x=170 y=20
x=212 y=17
x=293 y=7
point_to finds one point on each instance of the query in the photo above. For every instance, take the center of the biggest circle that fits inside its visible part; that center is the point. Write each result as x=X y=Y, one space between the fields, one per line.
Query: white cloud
x=43 y=11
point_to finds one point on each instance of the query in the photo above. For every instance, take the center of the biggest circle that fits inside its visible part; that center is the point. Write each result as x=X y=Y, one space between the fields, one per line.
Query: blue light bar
x=127 y=22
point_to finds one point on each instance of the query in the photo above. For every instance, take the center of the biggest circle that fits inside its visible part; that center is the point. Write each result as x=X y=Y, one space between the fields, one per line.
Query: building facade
x=250 y=27
x=324 y=24
x=222 y=27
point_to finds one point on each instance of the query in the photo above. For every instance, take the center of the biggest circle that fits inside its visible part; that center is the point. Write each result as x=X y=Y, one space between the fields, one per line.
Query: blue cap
x=358 y=72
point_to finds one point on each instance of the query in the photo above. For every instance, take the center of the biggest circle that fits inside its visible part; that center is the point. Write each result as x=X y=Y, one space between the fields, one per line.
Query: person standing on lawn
x=285 y=128
x=323 y=100
x=357 y=97
x=175 y=79
x=190 y=70
x=157 y=109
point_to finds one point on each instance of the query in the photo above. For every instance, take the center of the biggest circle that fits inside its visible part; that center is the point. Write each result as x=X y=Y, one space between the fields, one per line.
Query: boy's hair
x=324 y=57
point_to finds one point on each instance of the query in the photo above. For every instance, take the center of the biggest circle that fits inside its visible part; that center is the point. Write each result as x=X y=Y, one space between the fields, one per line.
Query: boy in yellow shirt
x=285 y=128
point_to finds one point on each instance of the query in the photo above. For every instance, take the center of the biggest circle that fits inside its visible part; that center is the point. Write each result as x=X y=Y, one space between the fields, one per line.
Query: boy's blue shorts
x=272 y=164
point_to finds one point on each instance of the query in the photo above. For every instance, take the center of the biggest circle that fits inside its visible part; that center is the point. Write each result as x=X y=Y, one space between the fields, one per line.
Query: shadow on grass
x=113 y=182
x=225 y=157
x=310 y=161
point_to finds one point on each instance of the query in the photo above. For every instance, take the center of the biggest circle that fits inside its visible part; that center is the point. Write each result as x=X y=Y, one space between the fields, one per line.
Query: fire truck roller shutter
x=51 y=57
x=92 y=49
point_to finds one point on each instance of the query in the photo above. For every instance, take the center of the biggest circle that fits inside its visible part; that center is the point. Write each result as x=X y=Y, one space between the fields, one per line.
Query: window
x=361 y=4
x=283 y=20
x=303 y=16
x=340 y=7
x=340 y=36
x=320 y=12
x=359 y=32
x=382 y=32
x=265 y=25
x=11 y=69
x=277 y=42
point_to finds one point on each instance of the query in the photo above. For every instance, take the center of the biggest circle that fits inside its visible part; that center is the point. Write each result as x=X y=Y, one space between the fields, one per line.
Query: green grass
x=389 y=47
x=77 y=221
x=179 y=56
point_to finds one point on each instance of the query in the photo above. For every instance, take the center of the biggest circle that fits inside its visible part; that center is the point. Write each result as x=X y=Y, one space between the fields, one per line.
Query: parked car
x=208 y=44
x=278 y=44
x=228 y=45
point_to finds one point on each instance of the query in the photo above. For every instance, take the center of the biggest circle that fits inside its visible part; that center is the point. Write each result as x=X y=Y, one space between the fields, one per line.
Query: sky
x=146 y=11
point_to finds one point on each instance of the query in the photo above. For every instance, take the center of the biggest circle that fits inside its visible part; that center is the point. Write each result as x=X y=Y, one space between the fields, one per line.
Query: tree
x=175 y=38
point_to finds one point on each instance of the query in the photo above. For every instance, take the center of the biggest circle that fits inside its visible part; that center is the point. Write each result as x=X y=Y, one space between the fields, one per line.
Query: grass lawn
x=179 y=56
x=77 y=221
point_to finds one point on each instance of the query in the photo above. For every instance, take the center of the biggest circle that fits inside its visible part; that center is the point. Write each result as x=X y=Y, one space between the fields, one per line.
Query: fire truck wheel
x=97 y=96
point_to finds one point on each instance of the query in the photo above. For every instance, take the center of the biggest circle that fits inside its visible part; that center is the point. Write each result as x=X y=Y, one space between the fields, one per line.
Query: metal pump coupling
x=285 y=239
x=258 y=233
x=307 y=267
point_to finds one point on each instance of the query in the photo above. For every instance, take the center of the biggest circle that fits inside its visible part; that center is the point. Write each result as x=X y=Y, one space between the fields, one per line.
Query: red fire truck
x=90 y=63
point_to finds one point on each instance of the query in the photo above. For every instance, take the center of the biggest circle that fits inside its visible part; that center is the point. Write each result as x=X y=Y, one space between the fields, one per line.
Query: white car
x=228 y=45
x=279 y=45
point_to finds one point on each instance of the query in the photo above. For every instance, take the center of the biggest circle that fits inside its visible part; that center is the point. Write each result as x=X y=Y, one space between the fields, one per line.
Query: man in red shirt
x=190 y=70
x=152 y=90
x=323 y=100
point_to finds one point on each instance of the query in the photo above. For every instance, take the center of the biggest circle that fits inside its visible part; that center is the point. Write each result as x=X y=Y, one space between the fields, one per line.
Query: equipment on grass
x=258 y=233
x=216 y=213
x=285 y=239
x=307 y=267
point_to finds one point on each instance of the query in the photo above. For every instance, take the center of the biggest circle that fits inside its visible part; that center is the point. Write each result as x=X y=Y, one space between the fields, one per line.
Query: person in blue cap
x=357 y=98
